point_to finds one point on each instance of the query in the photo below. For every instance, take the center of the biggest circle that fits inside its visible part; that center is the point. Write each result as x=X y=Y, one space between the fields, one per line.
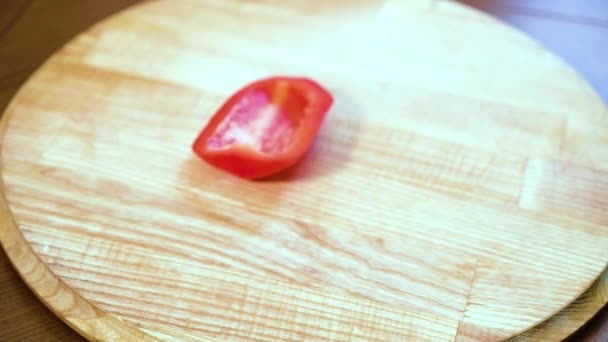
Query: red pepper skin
x=265 y=127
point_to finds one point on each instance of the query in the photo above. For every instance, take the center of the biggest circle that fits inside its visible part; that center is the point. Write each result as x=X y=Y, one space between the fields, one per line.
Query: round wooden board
x=455 y=192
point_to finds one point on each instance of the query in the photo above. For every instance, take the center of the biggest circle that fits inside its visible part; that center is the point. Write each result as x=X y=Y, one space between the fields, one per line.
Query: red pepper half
x=265 y=127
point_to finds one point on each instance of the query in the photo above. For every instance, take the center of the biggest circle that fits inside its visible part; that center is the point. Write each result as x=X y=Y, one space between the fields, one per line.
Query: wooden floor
x=30 y=30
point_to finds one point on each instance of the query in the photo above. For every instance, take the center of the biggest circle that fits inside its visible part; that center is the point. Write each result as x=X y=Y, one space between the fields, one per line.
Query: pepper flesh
x=265 y=127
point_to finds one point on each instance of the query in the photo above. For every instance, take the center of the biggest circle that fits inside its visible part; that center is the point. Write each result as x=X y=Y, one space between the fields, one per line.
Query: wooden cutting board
x=456 y=190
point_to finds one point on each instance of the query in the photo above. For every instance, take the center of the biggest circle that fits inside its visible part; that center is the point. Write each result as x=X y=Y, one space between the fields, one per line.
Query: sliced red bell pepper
x=265 y=127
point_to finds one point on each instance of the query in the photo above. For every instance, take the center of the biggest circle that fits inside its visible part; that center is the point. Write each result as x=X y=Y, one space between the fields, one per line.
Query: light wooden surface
x=30 y=31
x=452 y=194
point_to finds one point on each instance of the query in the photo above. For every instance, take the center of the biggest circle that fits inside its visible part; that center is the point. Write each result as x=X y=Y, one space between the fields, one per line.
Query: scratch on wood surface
x=466 y=306
x=566 y=189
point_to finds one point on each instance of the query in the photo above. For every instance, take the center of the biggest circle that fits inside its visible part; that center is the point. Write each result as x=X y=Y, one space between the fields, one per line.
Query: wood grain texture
x=31 y=30
x=576 y=31
x=40 y=27
x=426 y=210
x=22 y=316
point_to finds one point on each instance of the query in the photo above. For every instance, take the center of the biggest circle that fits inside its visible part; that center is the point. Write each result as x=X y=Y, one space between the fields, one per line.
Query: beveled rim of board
x=97 y=325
